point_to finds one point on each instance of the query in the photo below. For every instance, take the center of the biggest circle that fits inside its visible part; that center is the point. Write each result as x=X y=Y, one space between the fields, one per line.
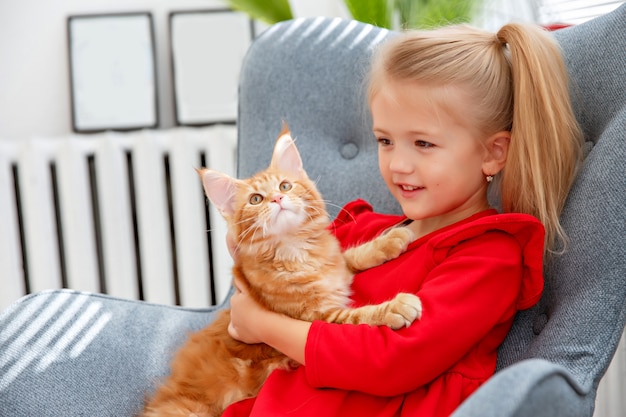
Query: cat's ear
x=286 y=156
x=220 y=188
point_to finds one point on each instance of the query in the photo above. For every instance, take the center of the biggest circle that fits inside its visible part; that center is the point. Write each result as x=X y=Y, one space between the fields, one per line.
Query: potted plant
x=384 y=13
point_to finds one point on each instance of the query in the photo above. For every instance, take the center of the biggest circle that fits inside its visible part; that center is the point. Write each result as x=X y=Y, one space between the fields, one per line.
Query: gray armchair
x=64 y=353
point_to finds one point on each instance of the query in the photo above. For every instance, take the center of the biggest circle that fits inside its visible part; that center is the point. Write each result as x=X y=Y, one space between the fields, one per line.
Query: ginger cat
x=290 y=263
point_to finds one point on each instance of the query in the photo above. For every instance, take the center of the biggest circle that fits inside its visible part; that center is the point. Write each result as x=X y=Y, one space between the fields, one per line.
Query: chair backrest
x=579 y=321
x=310 y=72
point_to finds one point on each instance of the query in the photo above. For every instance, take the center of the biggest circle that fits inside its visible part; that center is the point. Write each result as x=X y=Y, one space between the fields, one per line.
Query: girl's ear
x=286 y=156
x=497 y=147
x=220 y=188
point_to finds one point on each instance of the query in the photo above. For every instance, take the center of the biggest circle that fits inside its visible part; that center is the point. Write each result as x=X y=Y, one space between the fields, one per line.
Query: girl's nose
x=401 y=163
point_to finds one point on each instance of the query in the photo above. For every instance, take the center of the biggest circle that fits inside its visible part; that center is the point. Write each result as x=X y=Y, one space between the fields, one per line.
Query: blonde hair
x=517 y=82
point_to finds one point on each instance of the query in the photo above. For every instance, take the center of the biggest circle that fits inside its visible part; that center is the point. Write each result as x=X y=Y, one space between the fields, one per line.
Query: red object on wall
x=557 y=26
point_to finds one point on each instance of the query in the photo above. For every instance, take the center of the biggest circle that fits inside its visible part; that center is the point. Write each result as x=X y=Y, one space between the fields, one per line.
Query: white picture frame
x=207 y=48
x=112 y=72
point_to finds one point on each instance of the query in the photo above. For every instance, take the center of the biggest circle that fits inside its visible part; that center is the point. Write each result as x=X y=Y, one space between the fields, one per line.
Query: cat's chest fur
x=294 y=255
x=298 y=276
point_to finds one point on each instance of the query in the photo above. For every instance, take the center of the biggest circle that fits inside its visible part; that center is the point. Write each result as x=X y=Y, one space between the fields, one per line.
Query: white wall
x=34 y=71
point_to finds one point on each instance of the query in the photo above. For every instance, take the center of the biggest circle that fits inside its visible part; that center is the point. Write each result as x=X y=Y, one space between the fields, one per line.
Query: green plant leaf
x=406 y=11
x=268 y=11
x=433 y=13
x=375 y=12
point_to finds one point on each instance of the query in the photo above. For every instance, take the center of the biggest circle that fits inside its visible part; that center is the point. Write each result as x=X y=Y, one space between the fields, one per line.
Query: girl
x=453 y=110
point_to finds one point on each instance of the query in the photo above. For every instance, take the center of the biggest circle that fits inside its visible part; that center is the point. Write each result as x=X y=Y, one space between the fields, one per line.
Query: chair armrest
x=68 y=353
x=530 y=388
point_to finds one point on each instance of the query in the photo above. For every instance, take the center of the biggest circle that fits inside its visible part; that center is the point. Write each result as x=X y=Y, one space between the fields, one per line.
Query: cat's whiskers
x=262 y=228
x=253 y=238
x=328 y=203
x=250 y=229
x=320 y=214
x=245 y=232
x=309 y=216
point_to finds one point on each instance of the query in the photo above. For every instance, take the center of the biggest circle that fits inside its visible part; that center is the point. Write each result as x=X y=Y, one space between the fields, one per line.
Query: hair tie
x=501 y=40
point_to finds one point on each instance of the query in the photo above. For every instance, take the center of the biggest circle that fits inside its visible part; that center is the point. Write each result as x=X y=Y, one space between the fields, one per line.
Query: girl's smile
x=409 y=191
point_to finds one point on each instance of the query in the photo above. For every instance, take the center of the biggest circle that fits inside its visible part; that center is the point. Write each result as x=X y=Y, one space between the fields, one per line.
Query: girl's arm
x=469 y=302
x=251 y=323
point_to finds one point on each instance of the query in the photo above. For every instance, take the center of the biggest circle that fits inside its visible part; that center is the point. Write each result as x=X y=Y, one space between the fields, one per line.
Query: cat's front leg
x=399 y=312
x=379 y=250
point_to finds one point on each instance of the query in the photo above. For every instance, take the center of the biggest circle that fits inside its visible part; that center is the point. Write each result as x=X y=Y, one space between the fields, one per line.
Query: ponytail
x=545 y=147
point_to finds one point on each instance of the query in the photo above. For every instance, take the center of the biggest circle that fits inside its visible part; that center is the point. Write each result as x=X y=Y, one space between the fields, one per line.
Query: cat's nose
x=277 y=198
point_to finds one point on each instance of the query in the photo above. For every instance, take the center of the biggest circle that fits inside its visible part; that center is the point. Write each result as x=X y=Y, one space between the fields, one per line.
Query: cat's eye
x=255 y=199
x=285 y=186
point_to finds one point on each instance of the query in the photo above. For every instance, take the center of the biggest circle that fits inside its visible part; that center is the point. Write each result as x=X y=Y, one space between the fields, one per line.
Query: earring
x=489 y=178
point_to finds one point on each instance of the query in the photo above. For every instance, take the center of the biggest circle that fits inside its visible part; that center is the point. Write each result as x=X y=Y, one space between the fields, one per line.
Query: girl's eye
x=255 y=199
x=423 y=144
x=285 y=186
x=383 y=141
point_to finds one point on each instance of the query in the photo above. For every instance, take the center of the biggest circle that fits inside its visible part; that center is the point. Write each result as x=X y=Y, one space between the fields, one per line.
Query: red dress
x=472 y=277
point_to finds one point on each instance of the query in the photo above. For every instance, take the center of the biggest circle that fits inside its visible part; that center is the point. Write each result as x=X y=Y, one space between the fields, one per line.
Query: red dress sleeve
x=469 y=298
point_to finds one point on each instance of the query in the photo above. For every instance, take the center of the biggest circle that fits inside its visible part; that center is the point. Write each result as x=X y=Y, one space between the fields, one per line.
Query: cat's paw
x=384 y=248
x=404 y=309
x=396 y=241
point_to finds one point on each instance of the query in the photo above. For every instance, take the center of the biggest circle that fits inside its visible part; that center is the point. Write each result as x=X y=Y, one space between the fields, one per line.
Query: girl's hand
x=250 y=323
x=245 y=314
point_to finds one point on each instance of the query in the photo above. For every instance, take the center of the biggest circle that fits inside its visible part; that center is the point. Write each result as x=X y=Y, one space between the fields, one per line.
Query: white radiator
x=118 y=213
